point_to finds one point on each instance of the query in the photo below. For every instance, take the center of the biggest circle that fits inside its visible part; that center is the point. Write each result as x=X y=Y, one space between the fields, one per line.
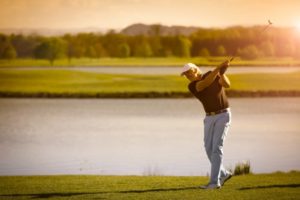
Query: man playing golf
x=209 y=89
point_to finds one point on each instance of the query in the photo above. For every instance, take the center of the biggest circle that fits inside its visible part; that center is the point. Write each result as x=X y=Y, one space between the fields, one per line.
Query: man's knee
x=217 y=149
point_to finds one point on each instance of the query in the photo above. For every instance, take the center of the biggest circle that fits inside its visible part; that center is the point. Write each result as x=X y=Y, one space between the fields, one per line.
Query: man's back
x=213 y=97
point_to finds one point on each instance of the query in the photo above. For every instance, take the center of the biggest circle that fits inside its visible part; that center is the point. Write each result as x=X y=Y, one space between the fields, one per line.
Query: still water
x=142 y=136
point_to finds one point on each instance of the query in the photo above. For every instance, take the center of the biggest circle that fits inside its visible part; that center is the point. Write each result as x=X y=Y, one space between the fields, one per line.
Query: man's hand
x=223 y=67
x=202 y=84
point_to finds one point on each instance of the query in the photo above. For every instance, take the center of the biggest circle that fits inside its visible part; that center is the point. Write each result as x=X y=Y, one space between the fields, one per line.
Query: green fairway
x=168 y=61
x=248 y=187
x=69 y=82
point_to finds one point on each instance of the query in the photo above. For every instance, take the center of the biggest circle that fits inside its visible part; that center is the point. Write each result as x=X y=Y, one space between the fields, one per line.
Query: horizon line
x=147 y=24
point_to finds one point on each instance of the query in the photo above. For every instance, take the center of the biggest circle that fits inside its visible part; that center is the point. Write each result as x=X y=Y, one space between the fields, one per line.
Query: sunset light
x=118 y=14
x=138 y=99
x=298 y=26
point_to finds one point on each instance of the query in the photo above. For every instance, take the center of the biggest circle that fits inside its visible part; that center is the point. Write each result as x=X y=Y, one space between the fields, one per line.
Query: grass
x=242 y=168
x=261 y=186
x=169 y=61
x=69 y=82
x=275 y=82
x=86 y=82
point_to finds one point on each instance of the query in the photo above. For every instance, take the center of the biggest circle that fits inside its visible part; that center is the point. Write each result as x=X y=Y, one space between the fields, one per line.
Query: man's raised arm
x=209 y=79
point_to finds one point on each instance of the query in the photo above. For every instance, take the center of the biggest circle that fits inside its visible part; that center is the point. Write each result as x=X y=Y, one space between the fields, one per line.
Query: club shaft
x=232 y=58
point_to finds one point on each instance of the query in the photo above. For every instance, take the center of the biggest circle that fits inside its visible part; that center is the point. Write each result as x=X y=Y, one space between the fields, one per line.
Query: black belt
x=217 y=112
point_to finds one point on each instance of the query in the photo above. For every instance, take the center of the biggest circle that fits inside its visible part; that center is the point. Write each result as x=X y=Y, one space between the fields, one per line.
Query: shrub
x=242 y=168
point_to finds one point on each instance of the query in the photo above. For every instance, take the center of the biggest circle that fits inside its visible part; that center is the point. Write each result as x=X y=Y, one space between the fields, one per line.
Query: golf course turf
x=78 y=84
x=258 y=186
x=151 y=61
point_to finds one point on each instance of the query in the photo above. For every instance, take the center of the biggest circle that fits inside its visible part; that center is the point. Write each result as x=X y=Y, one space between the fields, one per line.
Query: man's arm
x=224 y=81
x=207 y=81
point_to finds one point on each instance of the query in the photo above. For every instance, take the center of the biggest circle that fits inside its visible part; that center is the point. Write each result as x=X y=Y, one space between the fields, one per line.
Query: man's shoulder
x=192 y=85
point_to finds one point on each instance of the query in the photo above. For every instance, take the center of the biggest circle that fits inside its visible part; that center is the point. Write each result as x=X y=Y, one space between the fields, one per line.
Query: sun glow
x=298 y=26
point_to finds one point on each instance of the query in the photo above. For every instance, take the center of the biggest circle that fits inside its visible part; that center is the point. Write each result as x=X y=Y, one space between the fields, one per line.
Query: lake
x=142 y=136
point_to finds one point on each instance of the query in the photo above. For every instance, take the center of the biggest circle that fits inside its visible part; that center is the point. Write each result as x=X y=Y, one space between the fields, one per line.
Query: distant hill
x=157 y=29
x=51 y=32
x=132 y=30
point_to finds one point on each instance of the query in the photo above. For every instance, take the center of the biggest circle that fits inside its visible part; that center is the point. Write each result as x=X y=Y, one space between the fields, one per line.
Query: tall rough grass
x=242 y=168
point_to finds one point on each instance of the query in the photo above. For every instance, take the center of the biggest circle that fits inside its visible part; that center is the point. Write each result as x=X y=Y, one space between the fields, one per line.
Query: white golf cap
x=187 y=67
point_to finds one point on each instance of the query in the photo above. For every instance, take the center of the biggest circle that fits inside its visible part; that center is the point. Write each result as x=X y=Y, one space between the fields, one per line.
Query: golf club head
x=270 y=23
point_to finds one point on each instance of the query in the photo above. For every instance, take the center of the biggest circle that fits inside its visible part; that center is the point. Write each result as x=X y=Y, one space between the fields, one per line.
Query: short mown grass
x=71 y=82
x=155 y=61
x=247 y=187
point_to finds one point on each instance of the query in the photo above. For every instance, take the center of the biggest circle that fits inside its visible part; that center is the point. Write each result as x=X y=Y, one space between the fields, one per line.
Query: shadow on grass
x=160 y=190
x=271 y=186
x=72 y=194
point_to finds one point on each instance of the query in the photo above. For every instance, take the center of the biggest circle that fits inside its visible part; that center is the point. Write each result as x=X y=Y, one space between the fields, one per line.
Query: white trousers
x=215 y=131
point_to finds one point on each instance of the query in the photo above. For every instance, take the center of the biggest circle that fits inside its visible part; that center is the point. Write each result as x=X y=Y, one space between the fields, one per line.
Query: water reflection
x=141 y=136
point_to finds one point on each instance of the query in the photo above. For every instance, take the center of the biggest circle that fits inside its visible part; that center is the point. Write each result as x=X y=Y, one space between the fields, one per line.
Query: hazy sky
x=121 y=13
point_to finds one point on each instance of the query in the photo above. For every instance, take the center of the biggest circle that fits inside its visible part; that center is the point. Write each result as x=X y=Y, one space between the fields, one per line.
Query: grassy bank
x=261 y=186
x=69 y=83
x=169 y=61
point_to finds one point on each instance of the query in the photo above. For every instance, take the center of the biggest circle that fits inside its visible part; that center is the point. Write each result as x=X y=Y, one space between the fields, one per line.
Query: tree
x=167 y=46
x=221 y=51
x=123 y=50
x=4 y=42
x=70 y=46
x=184 y=47
x=111 y=41
x=156 y=46
x=143 y=50
x=249 y=52
x=267 y=48
x=50 y=49
x=100 y=50
x=24 y=45
x=91 y=52
x=159 y=42
x=9 y=52
x=288 y=48
x=204 y=52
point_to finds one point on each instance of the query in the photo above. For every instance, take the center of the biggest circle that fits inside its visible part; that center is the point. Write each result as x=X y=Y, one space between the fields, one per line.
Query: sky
x=118 y=14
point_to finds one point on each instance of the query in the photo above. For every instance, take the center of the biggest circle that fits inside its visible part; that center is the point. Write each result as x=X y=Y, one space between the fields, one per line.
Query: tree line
x=248 y=43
